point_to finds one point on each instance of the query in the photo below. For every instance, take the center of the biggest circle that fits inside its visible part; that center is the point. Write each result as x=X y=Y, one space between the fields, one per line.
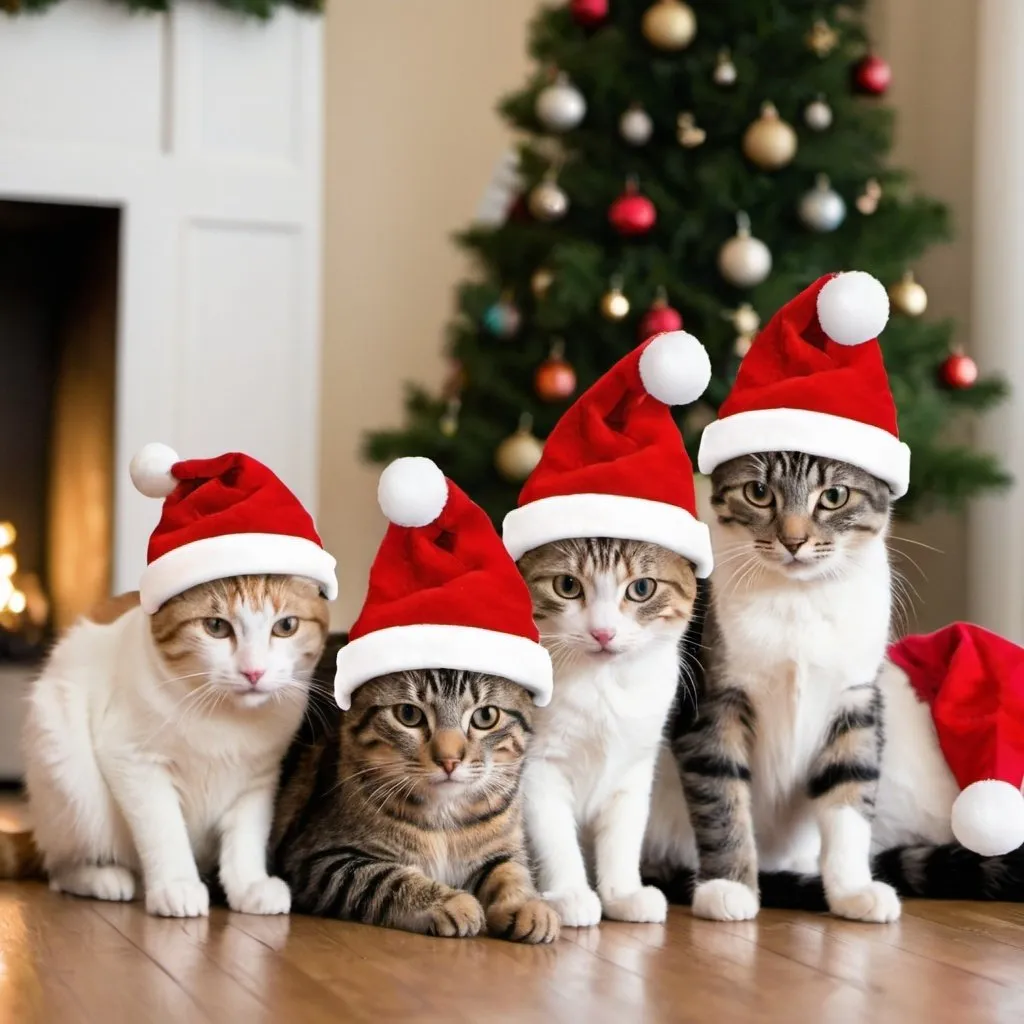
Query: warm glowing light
x=6 y=590
x=8 y=565
x=8 y=534
x=16 y=602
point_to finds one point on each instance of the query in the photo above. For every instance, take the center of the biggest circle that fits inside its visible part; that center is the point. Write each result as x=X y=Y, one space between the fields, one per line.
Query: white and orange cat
x=153 y=745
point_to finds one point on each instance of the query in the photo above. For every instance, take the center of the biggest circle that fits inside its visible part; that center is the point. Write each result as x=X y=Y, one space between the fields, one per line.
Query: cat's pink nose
x=254 y=675
x=449 y=764
x=603 y=636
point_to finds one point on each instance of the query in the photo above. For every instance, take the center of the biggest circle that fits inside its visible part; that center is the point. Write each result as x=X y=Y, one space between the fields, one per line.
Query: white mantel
x=205 y=128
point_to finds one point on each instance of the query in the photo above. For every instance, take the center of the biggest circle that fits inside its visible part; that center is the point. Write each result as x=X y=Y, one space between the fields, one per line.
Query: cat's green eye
x=834 y=497
x=409 y=715
x=758 y=493
x=219 y=629
x=641 y=590
x=288 y=626
x=485 y=718
x=568 y=587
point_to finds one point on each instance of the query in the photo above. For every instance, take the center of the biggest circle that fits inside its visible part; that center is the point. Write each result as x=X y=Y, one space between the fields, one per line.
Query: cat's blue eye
x=288 y=626
x=219 y=629
x=759 y=494
x=641 y=590
x=409 y=715
x=834 y=497
x=568 y=587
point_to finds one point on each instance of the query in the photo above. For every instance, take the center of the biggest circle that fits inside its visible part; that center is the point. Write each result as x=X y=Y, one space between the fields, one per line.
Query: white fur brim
x=872 y=449
x=569 y=516
x=464 y=648
x=235 y=554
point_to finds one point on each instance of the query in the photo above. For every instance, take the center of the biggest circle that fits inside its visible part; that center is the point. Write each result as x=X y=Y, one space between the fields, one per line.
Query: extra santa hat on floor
x=226 y=516
x=814 y=381
x=973 y=681
x=443 y=592
x=615 y=464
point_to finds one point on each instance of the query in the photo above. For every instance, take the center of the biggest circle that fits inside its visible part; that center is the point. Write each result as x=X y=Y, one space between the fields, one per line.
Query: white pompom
x=988 y=818
x=853 y=308
x=675 y=368
x=412 y=491
x=151 y=470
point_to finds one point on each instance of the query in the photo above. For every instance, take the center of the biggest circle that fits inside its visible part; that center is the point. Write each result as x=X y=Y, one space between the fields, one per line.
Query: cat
x=405 y=810
x=153 y=744
x=612 y=614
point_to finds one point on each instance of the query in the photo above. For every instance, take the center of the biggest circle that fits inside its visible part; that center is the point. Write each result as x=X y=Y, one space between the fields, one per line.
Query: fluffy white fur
x=132 y=772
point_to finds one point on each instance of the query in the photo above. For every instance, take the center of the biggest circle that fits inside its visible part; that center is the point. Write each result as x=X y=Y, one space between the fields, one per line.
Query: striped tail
x=780 y=890
x=950 y=872
x=19 y=856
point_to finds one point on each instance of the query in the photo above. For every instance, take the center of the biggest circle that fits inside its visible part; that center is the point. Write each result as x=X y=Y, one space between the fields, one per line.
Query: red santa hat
x=443 y=592
x=615 y=464
x=973 y=681
x=226 y=516
x=814 y=381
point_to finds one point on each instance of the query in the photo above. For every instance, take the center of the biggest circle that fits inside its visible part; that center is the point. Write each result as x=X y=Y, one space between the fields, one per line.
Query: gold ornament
x=449 y=421
x=769 y=141
x=907 y=296
x=725 y=71
x=541 y=281
x=687 y=132
x=547 y=201
x=615 y=305
x=822 y=38
x=746 y=323
x=517 y=456
x=669 y=25
x=867 y=201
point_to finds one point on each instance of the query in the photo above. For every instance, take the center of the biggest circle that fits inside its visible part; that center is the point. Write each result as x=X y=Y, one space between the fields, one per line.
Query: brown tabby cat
x=404 y=811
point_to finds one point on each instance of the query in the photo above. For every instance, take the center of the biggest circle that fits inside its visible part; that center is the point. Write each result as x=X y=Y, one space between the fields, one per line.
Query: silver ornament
x=744 y=261
x=818 y=115
x=725 y=71
x=560 y=106
x=822 y=209
x=635 y=126
x=547 y=201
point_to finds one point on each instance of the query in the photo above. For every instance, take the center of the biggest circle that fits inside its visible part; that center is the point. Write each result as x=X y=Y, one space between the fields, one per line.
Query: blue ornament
x=502 y=319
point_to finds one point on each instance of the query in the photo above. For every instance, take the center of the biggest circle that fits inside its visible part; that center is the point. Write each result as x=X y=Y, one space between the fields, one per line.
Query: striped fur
x=370 y=827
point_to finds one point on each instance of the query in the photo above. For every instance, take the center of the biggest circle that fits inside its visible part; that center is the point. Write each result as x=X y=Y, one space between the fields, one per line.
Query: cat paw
x=645 y=906
x=876 y=902
x=722 y=899
x=264 y=896
x=181 y=897
x=460 y=916
x=101 y=882
x=533 y=922
x=578 y=908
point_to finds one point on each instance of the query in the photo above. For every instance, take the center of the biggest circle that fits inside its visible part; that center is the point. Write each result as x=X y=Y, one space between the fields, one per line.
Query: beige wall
x=411 y=142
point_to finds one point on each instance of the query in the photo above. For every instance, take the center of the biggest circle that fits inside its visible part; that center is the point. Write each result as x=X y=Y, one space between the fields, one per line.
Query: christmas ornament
x=635 y=126
x=588 y=13
x=769 y=141
x=614 y=305
x=907 y=296
x=547 y=201
x=555 y=379
x=517 y=456
x=725 y=71
x=822 y=209
x=872 y=75
x=669 y=25
x=746 y=323
x=744 y=261
x=822 y=38
x=687 y=132
x=632 y=213
x=660 y=318
x=867 y=201
x=541 y=281
x=560 y=106
x=818 y=114
x=502 y=318
x=959 y=371
x=448 y=424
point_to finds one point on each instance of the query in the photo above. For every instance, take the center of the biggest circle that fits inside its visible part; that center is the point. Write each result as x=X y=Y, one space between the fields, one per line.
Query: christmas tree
x=697 y=166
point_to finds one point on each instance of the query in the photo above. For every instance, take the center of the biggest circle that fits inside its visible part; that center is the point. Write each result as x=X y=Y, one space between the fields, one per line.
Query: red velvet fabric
x=794 y=365
x=229 y=494
x=453 y=572
x=616 y=439
x=974 y=682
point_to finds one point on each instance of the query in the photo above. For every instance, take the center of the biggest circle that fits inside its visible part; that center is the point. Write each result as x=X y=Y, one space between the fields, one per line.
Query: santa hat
x=443 y=592
x=814 y=381
x=615 y=464
x=226 y=516
x=973 y=681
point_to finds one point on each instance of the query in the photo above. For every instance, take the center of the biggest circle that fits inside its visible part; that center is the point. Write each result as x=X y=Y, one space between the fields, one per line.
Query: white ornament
x=150 y=470
x=560 y=106
x=548 y=201
x=818 y=115
x=725 y=71
x=412 y=491
x=635 y=126
x=853 y=308
x=675 y=368
x=822 y=209
x=988 y=818
x=744 y=261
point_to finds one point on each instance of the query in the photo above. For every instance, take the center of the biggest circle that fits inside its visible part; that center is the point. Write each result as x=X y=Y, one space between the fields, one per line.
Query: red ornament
x=589 y=13
x=659 y=319
x=555 y=379
x=872 y=75
x=959 y=371
x=632 y=213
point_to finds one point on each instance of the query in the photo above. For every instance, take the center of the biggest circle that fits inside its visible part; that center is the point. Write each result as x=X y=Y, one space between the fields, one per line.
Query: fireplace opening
x=58 y=338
